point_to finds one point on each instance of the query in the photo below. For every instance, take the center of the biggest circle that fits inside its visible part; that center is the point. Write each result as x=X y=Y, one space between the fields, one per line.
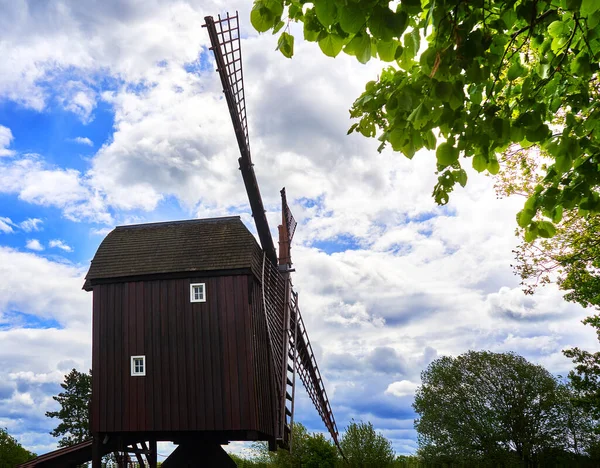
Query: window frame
x=134 y=373
x=192 y=295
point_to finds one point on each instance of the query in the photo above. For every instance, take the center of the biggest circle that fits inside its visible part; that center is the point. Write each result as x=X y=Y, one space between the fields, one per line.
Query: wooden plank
x=190 y=344
x=140 y=381
x=119 y=361
x=247 y=383
x=165 y=377
x=109 y=355
x=208 y=409
x=156 y=373
x=216 y=356
x=196 y=313
x=174 y=382
x=181 y=345
x=103 y=364
x=131 y=381
x=95 y=416
x=241 y=330
x=150 y=360
x=230 y=384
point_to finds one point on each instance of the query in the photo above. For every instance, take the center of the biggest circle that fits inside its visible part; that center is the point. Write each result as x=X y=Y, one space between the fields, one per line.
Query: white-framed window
x=138 y=365
x=197 y=292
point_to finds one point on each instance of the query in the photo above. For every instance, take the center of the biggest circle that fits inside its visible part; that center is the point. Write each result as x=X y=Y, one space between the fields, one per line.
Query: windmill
x=224 y=36
x=197 y=335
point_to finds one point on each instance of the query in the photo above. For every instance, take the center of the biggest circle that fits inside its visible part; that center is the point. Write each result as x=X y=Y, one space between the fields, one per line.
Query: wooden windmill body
x=197 y=334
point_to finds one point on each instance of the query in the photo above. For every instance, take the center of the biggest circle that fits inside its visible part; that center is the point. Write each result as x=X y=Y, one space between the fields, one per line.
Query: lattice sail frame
x=229 y=60
x=309 y=373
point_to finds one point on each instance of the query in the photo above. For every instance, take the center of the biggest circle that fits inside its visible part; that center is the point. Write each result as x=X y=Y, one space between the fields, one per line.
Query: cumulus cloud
x=83 y=141
x=59 y=244
x=402 y=388
x=6 y=138
x=36 y=182
x=6 y=225
x=34 y=244
x=31 y=224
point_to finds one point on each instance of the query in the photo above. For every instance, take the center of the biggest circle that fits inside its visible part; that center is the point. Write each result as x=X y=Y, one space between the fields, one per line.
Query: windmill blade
x=309 y=373
x=225 y=40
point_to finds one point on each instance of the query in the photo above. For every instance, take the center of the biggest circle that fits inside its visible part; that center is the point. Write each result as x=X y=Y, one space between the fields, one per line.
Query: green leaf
x=515 y=71
x=352 y=18
x=479 y=162
x=412 y=7
x=557 y=28
x=397 y=138
x=419 y=116
x=446 y=154
x=524 y=217
x=589 y=7
x=387 y=50
x=382 y=22
x=261 y=17
x=331 y=45
x=278 y=27
x=360 y=46
x=531 y=232
x=286 y=44
x=312 y=27
x=546 y=229
x=443 y=90
x=412 y=42
x=326 y=11
x=461 y=177
x=493 y=166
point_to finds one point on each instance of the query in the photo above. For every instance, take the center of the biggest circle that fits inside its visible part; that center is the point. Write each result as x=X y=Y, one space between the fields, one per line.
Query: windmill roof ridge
x=180 y=221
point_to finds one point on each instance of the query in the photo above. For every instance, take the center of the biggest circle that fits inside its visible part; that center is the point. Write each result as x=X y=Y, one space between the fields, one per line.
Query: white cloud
x=83 y=141
x=34 y=244
x=31 y=224
x=36 y=182
x=6 y=225
x=402 y=388
x=6 y=138
x=59 y=244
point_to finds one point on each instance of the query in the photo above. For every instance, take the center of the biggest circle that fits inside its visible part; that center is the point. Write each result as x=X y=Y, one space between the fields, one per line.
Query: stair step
x=288 y=396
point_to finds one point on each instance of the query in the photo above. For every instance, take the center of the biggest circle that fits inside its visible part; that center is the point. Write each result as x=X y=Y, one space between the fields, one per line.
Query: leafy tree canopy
x=74 y=409
x=498 y=409
x=307 y=451
x=11 y=452
x=468 y=79
x=365 y=448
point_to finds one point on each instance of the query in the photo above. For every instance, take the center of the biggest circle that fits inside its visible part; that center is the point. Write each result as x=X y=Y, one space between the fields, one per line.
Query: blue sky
x=112 y=114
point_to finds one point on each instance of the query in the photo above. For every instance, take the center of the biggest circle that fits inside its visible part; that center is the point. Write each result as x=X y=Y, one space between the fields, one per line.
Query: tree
x=307 y=451
x=365 y=448
x=74 y=411
x=468 y=79
x=11 y=452
x=495 y=409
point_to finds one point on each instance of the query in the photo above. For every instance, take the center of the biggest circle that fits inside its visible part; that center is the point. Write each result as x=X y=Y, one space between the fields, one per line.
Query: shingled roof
x=175 y=247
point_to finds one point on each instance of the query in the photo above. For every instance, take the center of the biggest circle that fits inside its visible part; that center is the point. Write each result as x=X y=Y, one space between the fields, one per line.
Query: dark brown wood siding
x=207 y=364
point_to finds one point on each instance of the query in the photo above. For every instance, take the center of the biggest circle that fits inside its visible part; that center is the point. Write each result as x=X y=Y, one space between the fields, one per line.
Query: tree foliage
x=74 y=409
x=496 y=409
x=365 y=448
x=11 y=452
x=469 y=79
x=307 y=451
